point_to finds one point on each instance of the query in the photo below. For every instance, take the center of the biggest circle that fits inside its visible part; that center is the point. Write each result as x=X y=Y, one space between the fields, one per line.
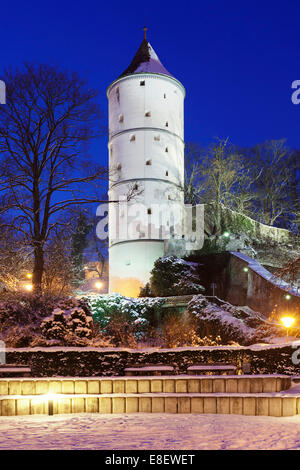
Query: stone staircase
x=261 y=395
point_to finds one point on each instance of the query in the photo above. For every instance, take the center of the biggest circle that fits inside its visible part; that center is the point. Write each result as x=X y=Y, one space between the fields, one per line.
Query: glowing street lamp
x=226 y=234
x=246 y=270
x=28 y=287
x=288 y=297
x=29 y=276
x=98 y=285
x=50 y=399
x=287 y=323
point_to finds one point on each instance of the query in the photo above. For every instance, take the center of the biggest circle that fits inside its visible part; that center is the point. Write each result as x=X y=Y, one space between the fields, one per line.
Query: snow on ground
x=149 y=432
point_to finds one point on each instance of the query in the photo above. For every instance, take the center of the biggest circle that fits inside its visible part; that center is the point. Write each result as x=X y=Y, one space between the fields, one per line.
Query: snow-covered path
x=149 y=431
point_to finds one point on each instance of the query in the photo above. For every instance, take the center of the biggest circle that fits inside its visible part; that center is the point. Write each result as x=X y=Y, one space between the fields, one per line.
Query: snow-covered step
x=14 y=370
x=20 y=366
x=149 y=370
x=212 y=369
x=266 y=404
x=162 y=384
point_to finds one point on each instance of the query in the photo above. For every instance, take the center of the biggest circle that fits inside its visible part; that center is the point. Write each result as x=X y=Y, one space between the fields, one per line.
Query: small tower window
x=167 y=124
x=165 y=95
x=119 y=166
x=132 y=138
x=148 y=162
x=118 y=94
x=167 y=173
x=142 y=83
x=157 y=138
x=148 y=113
x=149 y=211
x=135 y=186
x=169 y=197
x=167 y=149
x=121 y=118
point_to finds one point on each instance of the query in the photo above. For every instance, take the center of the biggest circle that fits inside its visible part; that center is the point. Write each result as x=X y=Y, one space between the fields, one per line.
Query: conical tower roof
x=145 y=61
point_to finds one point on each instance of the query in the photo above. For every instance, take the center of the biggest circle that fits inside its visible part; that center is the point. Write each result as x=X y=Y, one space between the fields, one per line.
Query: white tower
x=146 y=156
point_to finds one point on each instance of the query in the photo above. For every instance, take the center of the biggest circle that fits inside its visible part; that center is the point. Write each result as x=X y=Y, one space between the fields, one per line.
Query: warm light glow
x=98 y=285
x=287 y=321
x=129 y=286
x=246 y=270
x=50 y=395
x=29 y=287
x=29 y=275
x=226 y=234
x=288 y=297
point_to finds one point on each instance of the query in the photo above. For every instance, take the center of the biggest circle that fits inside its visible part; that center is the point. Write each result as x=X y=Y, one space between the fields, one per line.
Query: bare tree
x=273 y=196
x=290 y=272
x=193 y=188
x=262 y=182
x=49 y=119
x=295 y=187
x=58 y=273
x=214 y=176
x=15 y=259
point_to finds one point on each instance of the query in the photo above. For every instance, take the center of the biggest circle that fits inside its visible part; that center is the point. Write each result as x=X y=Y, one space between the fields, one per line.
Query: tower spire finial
x=145 y=32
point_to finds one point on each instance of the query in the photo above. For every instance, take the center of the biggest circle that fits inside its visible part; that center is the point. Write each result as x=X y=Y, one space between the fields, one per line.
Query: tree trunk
x=38 y=268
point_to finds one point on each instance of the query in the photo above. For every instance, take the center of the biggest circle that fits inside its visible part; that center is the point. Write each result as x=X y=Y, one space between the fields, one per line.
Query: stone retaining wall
x=266 y=405
x=83 y=362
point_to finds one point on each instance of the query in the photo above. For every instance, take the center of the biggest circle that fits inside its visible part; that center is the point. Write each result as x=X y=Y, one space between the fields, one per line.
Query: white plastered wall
x=145 y=148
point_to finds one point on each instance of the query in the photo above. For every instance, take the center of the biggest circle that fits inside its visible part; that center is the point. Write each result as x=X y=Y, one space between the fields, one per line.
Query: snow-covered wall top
x=265 y=274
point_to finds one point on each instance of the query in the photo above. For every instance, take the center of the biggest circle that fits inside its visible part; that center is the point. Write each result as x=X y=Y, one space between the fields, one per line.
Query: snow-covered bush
x=136 y=311
x=70 y=318
x=125 y=320
x=25 y=309
x=18 y=336
x=20 y=318
x=174 y=276
x=231 y=323
x=181 y=330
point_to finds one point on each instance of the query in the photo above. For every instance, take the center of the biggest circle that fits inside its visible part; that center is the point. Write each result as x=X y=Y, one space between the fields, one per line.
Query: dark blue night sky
x=236 y=59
